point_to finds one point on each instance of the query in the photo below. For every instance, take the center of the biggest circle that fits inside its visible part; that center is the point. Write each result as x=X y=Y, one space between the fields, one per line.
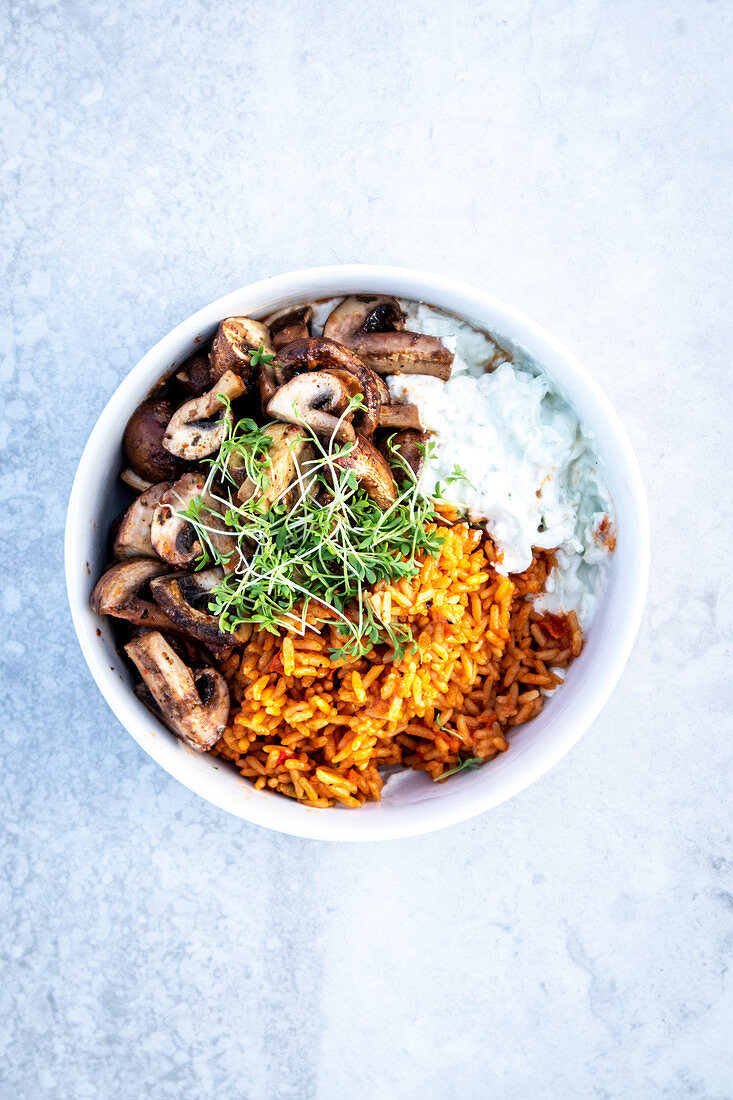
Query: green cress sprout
x=466 y=765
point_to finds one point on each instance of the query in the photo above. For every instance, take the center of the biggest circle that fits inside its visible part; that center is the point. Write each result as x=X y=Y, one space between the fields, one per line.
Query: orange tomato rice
x=320 y=731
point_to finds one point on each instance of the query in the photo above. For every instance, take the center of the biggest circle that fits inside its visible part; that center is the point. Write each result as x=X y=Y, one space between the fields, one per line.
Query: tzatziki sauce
x=529 y=470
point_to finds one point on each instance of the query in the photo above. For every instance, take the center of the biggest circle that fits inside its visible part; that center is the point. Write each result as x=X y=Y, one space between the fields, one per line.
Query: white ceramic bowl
x=411 y=803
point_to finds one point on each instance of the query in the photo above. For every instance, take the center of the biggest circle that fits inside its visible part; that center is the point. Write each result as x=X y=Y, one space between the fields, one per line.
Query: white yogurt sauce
x=532 y=476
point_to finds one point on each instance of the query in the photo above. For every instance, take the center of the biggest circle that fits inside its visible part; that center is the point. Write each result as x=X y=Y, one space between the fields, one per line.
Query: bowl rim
x=344 y=279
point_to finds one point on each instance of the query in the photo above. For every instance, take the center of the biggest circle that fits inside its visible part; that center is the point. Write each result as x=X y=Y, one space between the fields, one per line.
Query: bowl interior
x=411 y=802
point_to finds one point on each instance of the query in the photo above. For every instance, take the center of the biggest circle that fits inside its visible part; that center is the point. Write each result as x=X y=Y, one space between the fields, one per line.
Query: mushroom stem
x=374 y=328
x=400 y=416
x=404 y=353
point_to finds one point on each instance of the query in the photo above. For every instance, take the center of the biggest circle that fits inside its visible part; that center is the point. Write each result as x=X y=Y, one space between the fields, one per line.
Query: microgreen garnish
x=260 y=356
x=322 y=544
x=457 y=474
x=465 y=766
x=244 y=448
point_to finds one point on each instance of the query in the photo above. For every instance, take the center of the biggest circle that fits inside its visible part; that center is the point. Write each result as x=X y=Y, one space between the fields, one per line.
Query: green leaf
x=260 y=356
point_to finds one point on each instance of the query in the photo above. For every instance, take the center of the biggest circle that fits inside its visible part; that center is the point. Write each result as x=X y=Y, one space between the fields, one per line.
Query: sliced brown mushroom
x=139 y=484
x=316 y=400
x=319 y=354
x=400 y=416
x=143 y=441
x=173 y=537
x=289 y=454
x=117 y=593
x=372 y=471
x=235 y=340
x=373 y=327
x=197 y=428
x=194 y=705
x=409 y=446
x=294 y=324
x=315 y=353
x=363 y=313
x=133 y=539
x=185 y=599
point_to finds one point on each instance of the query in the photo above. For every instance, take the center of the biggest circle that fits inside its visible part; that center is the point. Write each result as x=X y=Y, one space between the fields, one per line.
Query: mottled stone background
x=572 y=158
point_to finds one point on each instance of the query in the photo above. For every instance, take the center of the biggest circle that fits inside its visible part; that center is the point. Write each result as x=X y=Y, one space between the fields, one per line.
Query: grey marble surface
x=572 y=158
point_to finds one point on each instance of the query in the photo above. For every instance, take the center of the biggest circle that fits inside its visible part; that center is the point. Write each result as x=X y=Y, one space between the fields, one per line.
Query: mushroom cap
x=133 y=538
x=316 y=400
x=143 y=441
x=195 y=375
x=184 y=598
x=290 y=451
x=197 y=428
x=235 y=340
x=117 y=593
x=173 y=537
x=194 y=705
x=363 y=313
x=316 y=353
x=289 y=325
x=372 y=471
